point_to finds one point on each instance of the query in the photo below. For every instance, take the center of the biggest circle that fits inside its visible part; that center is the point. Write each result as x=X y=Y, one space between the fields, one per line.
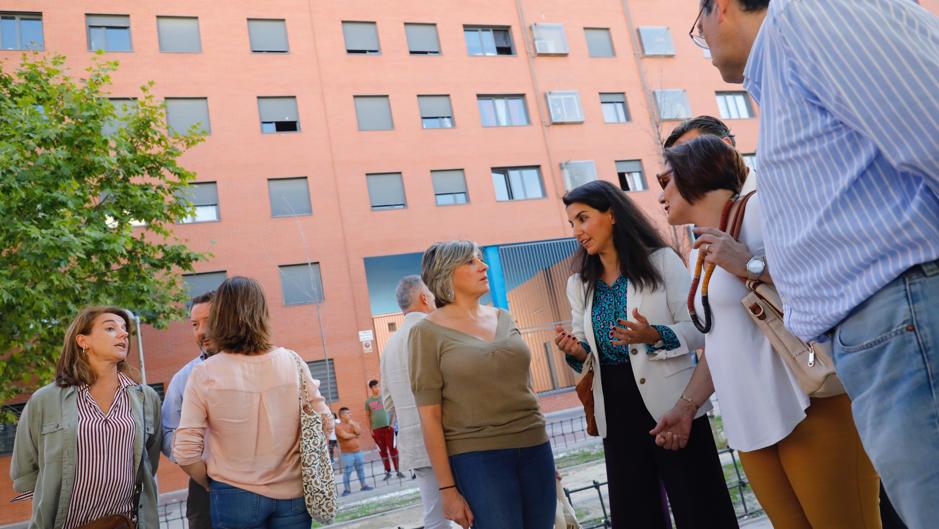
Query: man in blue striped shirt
x=849 y=175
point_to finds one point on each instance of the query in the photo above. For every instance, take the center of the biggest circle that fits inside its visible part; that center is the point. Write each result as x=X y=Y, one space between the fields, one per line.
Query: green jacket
x=45 y=449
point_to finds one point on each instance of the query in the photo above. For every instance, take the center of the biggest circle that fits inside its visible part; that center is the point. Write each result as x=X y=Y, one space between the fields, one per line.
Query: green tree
x=88 y=196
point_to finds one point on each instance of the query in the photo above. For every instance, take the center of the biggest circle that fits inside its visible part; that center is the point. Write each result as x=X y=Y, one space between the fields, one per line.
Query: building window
x=550 y=39
x=325 y=373
x=21 y=31
x=373 y=112
x=656 y=40
x=422 y=39
x=386 y=191
x=179 y=34
x=361 y=38
x=630 y=175
x=123 y=107
x=436 y=112
x=301 y=284
x=486 y=40
x=450 y=187
x=184 y=113
x=672 y=104
x=204 y=196
x=268 y=35
x=579 y=172
x=564 y=106
x=278 y=114
x=599 y=42
x=502 y=110
x=614 y=107
x=750 y=160
x=108 y=32
x=198 y=284
x=734 y=105
x=290 y=197
x=517 y=183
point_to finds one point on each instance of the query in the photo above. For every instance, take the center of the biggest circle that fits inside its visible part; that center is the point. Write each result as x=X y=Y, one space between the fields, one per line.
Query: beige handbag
x=810 y=362
x=316 y=470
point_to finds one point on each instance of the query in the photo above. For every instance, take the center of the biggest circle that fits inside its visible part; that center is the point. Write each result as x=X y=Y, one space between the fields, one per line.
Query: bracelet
x=445 y=488
x=689 y=401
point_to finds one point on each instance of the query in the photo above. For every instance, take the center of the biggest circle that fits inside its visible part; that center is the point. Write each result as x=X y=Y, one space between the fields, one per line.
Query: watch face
x=755 y=266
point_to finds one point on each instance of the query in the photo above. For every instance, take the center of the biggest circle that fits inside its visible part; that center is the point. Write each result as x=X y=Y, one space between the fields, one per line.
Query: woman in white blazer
x=628 y=312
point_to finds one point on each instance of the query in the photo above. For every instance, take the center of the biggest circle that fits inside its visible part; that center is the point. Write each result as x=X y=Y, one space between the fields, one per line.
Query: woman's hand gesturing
x=569 y=343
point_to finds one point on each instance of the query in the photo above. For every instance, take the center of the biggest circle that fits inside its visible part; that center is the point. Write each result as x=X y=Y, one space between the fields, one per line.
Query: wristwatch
x=755 y=267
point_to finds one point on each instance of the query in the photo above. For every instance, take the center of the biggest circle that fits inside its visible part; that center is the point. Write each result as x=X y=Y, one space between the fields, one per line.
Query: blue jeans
x=511 y=488
x=234 y=508
x=350 y=461
x=887 y=355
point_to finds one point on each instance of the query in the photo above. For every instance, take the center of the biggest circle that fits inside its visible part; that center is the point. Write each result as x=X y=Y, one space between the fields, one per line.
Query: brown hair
x=705 y=164
x=73 y=368
x=239 y=321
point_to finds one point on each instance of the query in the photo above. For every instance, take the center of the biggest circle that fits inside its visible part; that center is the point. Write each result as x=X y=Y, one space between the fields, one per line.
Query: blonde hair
x=72 y=367
x=438 y=264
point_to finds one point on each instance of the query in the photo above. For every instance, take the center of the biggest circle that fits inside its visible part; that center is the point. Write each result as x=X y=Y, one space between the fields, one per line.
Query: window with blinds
x=449 y=187
x=614 y=107
x=385 y=191
x=324 y=372
x=599 y=42
x=179 y=34
x=301 y=284
x=186 y=114
x=373 y=112
x=268 y=35
x=361 y=38
x=278 y=114
x=198 y=284
x=290 y=197
x=108 y=32
x=436 y=112
x=630 y=175
x=204 y=196
x=422 y=39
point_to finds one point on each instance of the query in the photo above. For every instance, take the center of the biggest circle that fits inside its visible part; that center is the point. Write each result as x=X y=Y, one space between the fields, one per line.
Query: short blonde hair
x=438 y=264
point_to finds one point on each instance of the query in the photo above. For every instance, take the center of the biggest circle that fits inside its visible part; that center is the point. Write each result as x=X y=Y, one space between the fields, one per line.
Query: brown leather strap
x=738 y=215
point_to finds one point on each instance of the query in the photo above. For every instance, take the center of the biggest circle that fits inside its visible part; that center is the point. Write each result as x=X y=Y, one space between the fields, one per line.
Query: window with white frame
x=108 y=32
x=386 y=191
x=672 y=104
x=734 y=105
x=613 y=105
x=373 y=112
x=599 y=42
x=656 y=40
x=630 y=175
x=21 y=31
x=449 y=187
x=502 y=110
x=179 y=34
x=488 y=40
x=361 y=38
x=517 y=183
x=204 y=197
x=436 y=112
x=301 y=284
x=278 y=114
x=422 y=39
x=184 y=113
x=564 y=106
x=268 y=35
x=549 y=39
x=578 y=172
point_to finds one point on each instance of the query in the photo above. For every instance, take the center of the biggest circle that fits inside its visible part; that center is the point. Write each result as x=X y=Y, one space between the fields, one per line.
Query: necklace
x=708 y=270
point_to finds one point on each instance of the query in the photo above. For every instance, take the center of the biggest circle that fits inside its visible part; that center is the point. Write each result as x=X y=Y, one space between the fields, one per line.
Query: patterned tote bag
x=319 y=486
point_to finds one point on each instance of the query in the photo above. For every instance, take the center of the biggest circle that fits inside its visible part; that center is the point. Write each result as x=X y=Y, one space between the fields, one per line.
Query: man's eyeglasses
x=664 y=178
x=698 y=38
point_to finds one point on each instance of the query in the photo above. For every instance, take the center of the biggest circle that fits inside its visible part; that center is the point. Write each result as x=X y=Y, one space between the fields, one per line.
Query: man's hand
x=674 y=428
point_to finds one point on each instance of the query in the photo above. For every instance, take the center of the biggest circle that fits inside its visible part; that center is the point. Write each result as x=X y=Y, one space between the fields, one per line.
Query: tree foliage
x=77 y=178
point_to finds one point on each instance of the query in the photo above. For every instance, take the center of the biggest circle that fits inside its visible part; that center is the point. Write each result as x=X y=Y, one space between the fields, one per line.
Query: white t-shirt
x=760 y=401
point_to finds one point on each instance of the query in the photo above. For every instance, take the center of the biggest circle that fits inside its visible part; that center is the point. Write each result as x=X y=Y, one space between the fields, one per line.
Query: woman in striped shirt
x=86 y=441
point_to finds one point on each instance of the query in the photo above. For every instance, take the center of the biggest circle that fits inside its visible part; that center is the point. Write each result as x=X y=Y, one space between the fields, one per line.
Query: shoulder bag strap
x=737 y=224
x=138 y=482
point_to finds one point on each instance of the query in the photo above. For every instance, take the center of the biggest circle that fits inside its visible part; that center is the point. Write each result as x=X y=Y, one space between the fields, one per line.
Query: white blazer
x=663 y=375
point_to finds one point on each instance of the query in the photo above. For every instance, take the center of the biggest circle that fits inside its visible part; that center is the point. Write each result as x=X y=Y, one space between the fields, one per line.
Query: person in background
x=197 y=501
x=849 y=180
x=470 y=372
x=708 y=125
x=86 y=441
x=239 y=431
x=349 y=432
x=382 y=432
x=333 y=442
x=416 y=300
x=628 y=312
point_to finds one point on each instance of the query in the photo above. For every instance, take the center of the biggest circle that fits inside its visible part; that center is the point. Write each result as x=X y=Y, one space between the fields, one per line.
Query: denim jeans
x=234 y=508
x=887 y=355
x=349 y=461
x=512 y=488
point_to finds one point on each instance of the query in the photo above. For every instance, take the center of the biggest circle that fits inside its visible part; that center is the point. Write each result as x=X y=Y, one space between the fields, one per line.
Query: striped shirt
x=848 y=150
x=104 y=468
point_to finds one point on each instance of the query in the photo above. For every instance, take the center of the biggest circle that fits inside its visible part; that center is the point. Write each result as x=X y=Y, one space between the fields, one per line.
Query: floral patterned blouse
x=609 y=305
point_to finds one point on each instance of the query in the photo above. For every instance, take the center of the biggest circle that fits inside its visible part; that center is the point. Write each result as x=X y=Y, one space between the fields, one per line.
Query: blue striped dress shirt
x=848 y=150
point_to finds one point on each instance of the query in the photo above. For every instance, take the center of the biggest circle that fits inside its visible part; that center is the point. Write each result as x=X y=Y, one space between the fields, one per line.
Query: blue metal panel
x=496 y=274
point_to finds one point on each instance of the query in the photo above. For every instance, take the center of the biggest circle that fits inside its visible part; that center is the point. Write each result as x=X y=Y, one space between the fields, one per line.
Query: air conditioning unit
x=545 y=47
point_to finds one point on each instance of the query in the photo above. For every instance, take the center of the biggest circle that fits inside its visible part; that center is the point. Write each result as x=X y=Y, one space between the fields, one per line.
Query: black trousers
x=693 y=476
x=197 y=507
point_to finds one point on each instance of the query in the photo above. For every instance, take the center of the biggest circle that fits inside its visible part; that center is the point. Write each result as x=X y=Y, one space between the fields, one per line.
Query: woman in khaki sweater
x=469 y=372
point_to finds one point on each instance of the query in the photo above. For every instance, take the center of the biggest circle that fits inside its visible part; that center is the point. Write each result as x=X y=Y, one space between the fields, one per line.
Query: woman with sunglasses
x=803 y=456
x=629 y=317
